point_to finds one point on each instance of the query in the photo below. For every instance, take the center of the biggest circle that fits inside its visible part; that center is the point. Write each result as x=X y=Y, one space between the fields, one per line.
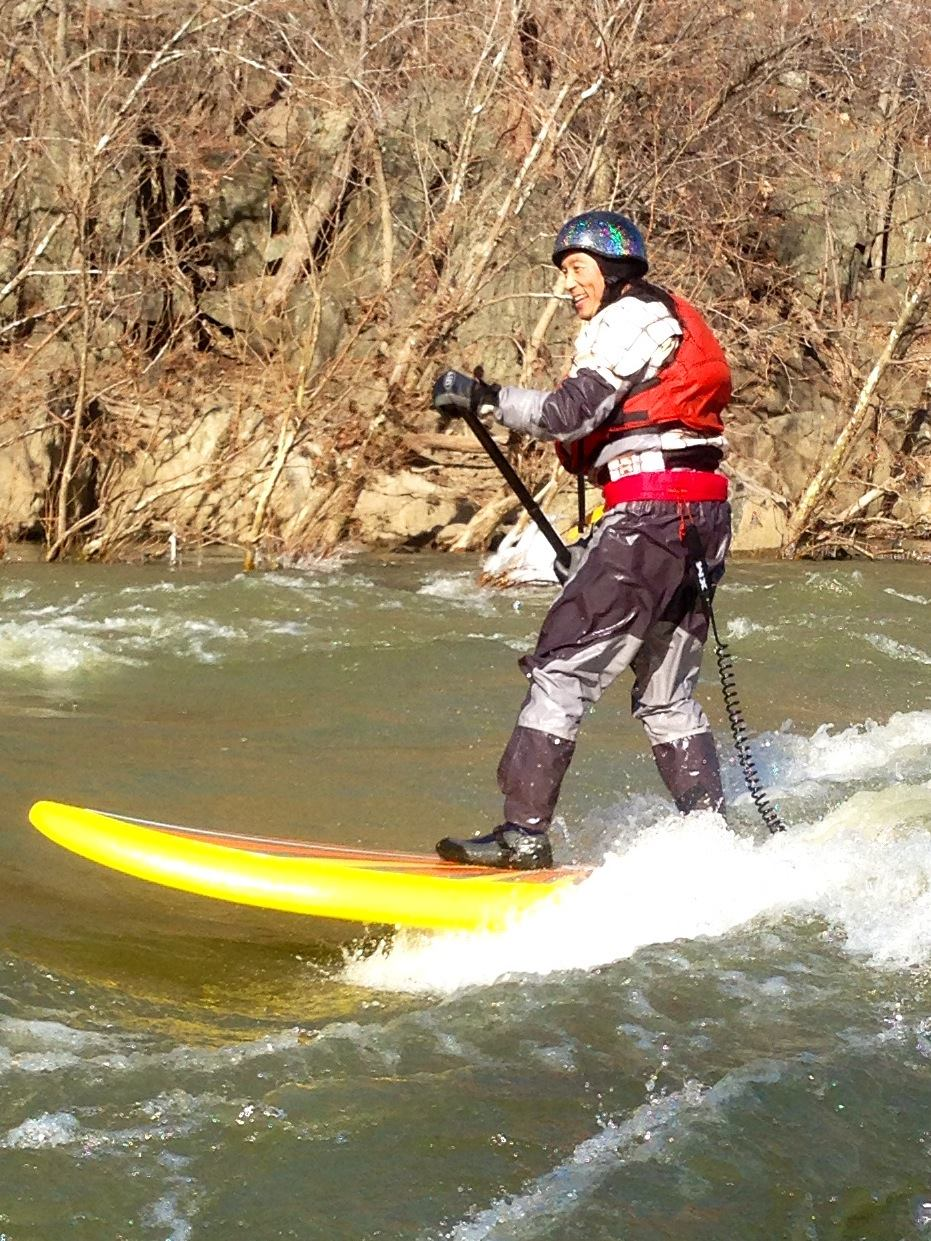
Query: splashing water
x=897 y=749
x=522 y=558
x=863 y=867
x=556 y=1193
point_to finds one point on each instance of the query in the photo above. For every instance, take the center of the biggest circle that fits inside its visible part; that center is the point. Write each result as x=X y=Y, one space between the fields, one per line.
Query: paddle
x=510 y=475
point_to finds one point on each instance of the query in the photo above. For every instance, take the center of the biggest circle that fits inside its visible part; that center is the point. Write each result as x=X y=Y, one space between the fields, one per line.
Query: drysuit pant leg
x=690 y=770
x=530 y=776
x=589 y=637
x=666 y=671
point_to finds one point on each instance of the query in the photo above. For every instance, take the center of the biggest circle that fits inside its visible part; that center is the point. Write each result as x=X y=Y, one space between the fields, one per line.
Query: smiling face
x=584 y=283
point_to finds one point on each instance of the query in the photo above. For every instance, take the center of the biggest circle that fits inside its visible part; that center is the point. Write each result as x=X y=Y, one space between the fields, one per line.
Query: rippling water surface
x=718 y=1035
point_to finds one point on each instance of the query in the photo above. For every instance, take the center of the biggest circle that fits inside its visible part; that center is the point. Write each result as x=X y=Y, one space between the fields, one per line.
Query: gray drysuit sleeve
x=581 y=403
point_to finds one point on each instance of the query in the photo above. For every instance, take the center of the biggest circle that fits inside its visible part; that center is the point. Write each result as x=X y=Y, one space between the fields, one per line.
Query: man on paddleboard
x=639 y=414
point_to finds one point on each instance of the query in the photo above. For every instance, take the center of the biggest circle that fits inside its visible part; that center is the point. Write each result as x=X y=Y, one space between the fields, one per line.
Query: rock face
x=759 y=524
x=27 y=467
x=226 y=287
x=402 y=508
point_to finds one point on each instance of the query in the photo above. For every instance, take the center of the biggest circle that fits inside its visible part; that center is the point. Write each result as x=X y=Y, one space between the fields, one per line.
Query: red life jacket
x=690 y=390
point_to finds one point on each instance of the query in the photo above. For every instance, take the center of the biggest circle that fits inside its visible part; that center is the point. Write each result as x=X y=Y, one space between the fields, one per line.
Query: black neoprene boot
x=509 y=847
x=689 y=769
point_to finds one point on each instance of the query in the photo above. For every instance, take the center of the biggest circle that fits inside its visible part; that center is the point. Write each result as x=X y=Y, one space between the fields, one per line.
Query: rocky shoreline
x=238 y=252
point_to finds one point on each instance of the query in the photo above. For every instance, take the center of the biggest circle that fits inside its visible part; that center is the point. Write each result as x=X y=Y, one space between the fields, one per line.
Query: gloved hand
x=455 y=394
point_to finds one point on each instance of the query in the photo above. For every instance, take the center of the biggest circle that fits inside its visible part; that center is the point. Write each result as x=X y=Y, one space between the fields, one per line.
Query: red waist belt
x=672 y=485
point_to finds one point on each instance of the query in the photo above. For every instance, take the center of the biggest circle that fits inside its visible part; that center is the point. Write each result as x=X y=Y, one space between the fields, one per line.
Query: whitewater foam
x=558 y=1192
x=649 y=1132
x=459 y=589
x=898 y=594
x=897 y=650
x=674 y=880
x=521 y=559
x=167 y=1213
x=863 y=867
x=739 y=627
x=847 y=583
x=48 y=1130
x=51 y=651
x=898 y=749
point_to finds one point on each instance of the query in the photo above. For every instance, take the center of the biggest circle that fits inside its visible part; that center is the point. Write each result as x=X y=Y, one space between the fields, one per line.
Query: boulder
x=28 y=451
x=759 y=524
x=401 y=508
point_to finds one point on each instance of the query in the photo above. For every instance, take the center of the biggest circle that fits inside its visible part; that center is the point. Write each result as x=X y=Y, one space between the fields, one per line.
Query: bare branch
x=815 y=493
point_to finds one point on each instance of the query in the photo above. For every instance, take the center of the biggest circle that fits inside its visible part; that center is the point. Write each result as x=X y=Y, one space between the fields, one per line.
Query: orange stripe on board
x=375 y=859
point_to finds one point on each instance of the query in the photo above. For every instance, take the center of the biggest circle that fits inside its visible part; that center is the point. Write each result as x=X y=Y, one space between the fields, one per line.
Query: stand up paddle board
x=324 y=881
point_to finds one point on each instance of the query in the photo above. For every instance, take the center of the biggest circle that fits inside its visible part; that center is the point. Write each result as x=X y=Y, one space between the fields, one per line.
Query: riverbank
x=236 y=254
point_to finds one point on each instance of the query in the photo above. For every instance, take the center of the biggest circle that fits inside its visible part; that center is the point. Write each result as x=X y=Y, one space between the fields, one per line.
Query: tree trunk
x=484 y=523
x=306 y=226
x=819 y=488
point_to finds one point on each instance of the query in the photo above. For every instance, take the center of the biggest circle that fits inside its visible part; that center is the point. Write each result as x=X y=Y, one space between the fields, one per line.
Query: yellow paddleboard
x=324 y=881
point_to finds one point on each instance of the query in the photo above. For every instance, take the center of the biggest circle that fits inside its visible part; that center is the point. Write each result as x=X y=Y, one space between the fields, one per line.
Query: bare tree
x=241 y=237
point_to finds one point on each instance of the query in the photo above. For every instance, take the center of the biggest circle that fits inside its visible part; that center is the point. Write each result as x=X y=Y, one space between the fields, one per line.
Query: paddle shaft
x=514 y=481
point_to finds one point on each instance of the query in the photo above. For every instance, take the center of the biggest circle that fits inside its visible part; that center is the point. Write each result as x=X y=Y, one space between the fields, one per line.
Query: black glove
x=455 y=394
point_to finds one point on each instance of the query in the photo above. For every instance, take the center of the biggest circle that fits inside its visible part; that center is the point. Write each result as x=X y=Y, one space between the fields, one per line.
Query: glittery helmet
x=604 y=234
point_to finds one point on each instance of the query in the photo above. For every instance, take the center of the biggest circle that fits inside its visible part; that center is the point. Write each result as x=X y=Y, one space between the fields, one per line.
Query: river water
x=720 y=1034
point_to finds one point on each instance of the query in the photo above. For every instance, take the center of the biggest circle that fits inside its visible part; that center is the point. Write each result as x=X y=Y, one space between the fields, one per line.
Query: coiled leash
x=739 y=731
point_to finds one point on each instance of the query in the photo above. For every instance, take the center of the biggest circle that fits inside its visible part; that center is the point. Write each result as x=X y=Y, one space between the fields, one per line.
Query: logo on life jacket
x=691 y=390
